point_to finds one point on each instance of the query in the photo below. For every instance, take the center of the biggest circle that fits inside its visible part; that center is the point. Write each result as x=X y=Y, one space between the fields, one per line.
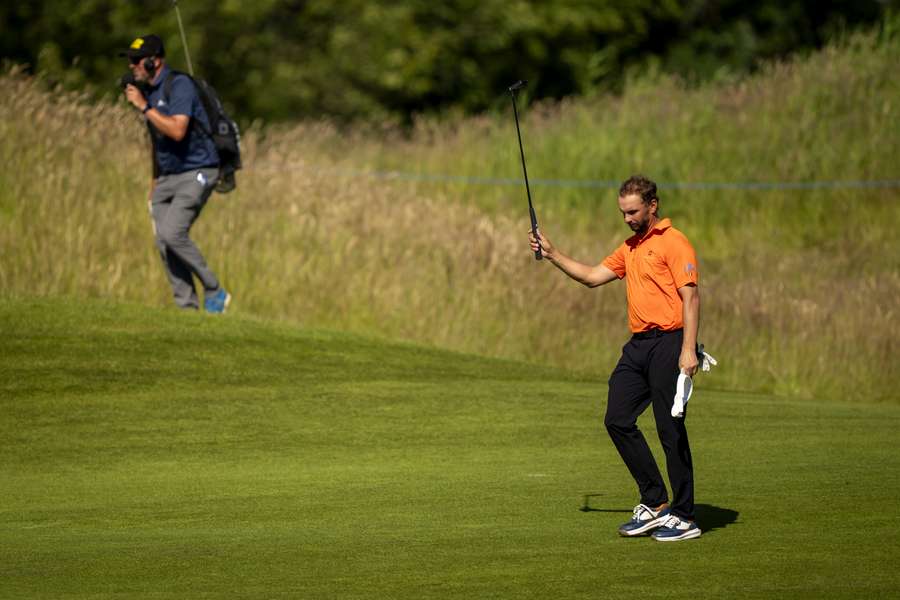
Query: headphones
x=149 y=65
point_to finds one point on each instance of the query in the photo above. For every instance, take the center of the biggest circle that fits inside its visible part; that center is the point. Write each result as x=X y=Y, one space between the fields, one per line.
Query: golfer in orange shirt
x=660 y=270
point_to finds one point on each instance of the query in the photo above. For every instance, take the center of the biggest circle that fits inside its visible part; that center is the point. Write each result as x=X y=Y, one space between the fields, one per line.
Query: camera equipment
x=128 y=79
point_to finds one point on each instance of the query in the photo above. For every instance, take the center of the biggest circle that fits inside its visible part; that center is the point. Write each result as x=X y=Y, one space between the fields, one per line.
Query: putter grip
x=537 y=253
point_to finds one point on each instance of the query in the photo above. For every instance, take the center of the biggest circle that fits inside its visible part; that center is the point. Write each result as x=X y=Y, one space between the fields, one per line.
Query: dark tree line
x=287 y=59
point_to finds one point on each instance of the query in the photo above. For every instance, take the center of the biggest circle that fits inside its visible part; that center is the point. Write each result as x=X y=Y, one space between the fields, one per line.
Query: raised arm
x=591 y=276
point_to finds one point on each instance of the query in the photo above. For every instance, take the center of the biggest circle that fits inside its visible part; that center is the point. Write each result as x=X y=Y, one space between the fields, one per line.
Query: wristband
x=146 y=108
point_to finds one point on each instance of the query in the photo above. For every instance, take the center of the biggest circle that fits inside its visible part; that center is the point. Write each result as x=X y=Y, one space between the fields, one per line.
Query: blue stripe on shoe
x=675 y=529
x=640 y=526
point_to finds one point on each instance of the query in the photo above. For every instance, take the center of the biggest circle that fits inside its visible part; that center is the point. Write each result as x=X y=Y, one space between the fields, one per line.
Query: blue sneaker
x=644 y=519
x=675 y=530
x=218 y=301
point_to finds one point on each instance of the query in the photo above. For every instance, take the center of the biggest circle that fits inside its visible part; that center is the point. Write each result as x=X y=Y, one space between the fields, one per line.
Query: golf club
x=512 y=92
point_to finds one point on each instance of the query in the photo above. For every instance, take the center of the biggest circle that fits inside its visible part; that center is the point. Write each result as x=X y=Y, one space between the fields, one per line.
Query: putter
x=534 y=225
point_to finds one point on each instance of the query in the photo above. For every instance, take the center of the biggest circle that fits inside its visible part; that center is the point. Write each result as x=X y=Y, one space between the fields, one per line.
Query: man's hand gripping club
x=591 y=276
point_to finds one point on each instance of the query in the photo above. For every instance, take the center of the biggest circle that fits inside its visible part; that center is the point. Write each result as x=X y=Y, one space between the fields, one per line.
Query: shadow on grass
x=586 y=506
x=710 y=517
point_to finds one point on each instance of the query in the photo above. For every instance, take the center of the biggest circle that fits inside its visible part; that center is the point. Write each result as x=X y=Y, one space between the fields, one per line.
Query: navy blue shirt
x=195 y=150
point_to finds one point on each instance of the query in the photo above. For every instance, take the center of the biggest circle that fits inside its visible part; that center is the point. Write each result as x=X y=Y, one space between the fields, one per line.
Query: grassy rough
x=799 y=287
x=149 y=453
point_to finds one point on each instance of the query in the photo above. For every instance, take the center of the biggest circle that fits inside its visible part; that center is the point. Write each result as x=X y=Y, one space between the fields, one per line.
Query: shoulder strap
x=167 y=85
x=155 y=135
x=167 y=92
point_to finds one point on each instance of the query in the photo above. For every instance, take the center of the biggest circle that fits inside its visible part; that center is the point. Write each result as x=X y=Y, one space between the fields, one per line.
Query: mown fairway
x=148 y=453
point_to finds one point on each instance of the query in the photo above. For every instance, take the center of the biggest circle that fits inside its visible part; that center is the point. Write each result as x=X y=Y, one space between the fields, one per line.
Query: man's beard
x=640 y=228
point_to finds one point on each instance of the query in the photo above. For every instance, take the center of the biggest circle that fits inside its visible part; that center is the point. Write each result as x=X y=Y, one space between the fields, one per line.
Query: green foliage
x=289 y=59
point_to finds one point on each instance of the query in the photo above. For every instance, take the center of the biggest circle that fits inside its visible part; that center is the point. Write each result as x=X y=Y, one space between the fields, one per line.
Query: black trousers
x=647 y=374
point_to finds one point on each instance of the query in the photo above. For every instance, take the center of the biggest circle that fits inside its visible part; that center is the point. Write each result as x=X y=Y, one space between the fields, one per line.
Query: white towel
x=683 y=390
x=685 y=385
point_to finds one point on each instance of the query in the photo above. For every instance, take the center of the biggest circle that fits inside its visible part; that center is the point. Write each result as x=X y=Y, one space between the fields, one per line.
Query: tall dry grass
x=799 y=287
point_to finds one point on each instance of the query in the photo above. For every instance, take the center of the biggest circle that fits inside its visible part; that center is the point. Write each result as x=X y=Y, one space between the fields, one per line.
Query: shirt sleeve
x=181 y=100
x=682 y=261
x=615 y=262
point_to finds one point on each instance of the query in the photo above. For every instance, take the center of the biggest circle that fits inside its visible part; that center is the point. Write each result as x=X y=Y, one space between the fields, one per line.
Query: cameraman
x=185 y=168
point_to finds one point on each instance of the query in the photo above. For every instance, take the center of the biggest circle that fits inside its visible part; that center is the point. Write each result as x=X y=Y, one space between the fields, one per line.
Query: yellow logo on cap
x=136 y=44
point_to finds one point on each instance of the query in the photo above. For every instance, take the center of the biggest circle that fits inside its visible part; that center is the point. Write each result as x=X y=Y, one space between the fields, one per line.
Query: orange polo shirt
x=654 y=267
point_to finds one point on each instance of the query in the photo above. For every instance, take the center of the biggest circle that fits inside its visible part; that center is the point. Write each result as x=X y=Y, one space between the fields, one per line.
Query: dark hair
x=640 y=185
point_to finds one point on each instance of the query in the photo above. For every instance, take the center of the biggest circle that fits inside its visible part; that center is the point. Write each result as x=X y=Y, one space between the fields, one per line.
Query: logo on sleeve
x=689 y=268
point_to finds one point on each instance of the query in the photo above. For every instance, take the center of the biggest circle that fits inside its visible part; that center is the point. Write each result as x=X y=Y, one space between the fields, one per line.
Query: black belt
x=653 y=333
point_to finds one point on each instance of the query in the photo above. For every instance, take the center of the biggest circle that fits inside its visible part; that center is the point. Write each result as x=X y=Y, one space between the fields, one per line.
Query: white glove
x=683 y=390
x=706 y=361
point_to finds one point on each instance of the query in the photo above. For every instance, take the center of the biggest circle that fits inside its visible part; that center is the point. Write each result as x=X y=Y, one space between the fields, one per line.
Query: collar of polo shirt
x=660 y=226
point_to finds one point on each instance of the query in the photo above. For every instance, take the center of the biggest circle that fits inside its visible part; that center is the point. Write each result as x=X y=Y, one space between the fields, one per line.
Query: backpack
x=222 y=130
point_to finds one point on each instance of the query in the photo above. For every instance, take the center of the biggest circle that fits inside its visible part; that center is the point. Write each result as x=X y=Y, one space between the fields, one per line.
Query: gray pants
x=175 y=204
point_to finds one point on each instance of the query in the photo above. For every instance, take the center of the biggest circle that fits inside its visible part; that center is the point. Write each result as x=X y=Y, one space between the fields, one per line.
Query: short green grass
x=147 y=453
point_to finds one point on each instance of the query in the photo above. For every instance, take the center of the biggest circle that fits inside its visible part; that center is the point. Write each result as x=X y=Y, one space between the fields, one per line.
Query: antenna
x=187 y=53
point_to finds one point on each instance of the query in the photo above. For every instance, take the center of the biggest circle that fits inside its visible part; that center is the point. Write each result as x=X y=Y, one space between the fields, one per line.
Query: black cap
x=144 y=46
